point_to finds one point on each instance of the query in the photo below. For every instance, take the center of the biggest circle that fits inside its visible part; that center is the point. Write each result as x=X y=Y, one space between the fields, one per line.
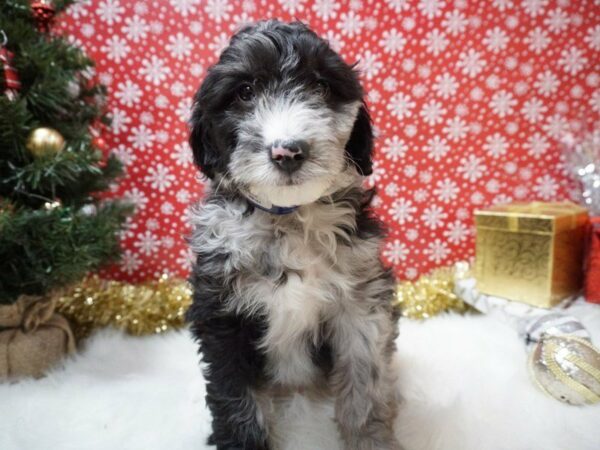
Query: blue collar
x=277 y=210
x=266 y=206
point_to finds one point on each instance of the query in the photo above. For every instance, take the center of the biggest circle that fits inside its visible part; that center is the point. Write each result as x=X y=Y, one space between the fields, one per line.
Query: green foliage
x=43 y=249
x=40 y=248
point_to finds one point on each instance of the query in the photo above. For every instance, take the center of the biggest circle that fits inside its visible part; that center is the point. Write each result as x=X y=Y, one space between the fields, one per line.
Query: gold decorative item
x=530 y=252
x=152 y=307
x=431 y=294
x=45 y=141
x=567 y=368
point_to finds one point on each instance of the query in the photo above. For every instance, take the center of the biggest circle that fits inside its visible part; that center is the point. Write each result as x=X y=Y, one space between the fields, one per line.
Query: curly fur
x=298 y=302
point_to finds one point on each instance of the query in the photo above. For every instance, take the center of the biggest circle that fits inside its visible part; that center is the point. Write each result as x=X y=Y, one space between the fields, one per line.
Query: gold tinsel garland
x=158 y=306
x=432 y=294
x=146 y=308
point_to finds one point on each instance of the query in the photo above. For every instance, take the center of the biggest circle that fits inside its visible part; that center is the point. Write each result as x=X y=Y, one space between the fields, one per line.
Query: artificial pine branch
x=53 y=227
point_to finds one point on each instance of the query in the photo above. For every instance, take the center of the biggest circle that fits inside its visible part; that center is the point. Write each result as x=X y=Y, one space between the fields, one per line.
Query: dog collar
x=266 y=206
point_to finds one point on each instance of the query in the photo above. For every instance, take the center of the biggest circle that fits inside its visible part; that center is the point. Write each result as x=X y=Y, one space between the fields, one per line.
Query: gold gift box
x=530 y=252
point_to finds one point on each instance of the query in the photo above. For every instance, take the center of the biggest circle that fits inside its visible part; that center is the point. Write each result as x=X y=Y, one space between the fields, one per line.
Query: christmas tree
x=53 y=227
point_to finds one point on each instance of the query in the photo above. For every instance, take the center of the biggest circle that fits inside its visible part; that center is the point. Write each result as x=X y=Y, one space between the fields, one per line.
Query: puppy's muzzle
x=289 y=155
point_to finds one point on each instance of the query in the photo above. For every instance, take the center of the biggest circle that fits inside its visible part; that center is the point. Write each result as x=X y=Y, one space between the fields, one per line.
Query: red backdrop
x=470 y=100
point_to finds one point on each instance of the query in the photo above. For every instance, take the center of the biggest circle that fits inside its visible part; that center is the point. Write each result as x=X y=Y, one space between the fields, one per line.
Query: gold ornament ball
x=567 y=368
x=45 y=141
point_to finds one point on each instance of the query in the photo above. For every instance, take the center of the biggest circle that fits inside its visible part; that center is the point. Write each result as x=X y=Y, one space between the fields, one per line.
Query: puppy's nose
x=289 y=155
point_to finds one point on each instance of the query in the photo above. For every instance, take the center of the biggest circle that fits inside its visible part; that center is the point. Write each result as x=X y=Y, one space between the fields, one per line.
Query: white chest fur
x=309 y=274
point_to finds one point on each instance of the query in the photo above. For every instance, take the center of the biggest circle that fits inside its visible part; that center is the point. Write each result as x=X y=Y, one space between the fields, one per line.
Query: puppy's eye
x=245 y=92
x=322 y=88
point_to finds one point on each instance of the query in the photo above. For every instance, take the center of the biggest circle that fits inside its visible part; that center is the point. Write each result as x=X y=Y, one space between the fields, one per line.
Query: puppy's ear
x=205 y=155
x=360 y=145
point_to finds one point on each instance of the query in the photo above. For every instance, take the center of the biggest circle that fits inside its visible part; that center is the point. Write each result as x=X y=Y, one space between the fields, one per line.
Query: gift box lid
x=534 y=217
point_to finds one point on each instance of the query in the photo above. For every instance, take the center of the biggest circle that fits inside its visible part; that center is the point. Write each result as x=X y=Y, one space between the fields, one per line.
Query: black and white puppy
x=289 y=293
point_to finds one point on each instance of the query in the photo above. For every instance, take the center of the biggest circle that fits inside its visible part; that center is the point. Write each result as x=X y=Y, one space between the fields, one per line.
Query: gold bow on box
x=530 y=252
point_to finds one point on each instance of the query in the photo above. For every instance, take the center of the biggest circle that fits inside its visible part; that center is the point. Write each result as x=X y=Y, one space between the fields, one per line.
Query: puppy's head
x=281 y=114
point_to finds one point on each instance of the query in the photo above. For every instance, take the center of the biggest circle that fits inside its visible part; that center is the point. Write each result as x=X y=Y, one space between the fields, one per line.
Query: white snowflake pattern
x=135 y=28
x=534 y=110
x=154 y=69
x=537 y=145
x=218 y=10
x=432 y=112
x=326 y=9
x=437 y=251
x=546 y=187
x=503 y=4
x=457 y=232
x=128 y=93
x=292 y=6
x=534 y=7
x=369 y=64
x=350 y=24
x=395 y=251
x=433 y=216
x=471 y=167
x=186 y=258
x=119 y=120
x=392 y=41
x=140 y=137
x=160 y=177
x=595 y=101
x=446 y=190
x=556 y=126
x=334 y=39
x=184 y=109
x=557 y=20
x=184 y=7
x=436 y=148
x=401 y=105
x=445 y=85
x=502 y=103
x=79 y=9
x=572 y=60
x=478 y=122
x=136 y=197
x=431 y=8
x=391 y=189
x=180 y=45
x=496 y=145
x=546 y=83
x=592 y=38
x=110 y=11
x=219 y=42
x=496 y=39
x=147 y=243
x=130 y=262
x=435 y=42
x=402 y=211
x=537 y=40
x=455 y=22
x=398 y=5
x=182 y=154
x=124 y=154
x=394 y=148
x=470 y=62
x=456 y=129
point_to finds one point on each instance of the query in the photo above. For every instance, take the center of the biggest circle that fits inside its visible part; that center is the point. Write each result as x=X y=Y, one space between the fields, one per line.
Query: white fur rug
x=464 y=381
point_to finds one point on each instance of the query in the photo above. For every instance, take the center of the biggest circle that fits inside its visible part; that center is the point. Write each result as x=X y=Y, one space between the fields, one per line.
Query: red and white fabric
x=470 y=99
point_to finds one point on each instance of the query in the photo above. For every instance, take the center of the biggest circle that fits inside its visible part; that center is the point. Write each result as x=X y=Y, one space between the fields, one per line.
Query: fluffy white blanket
x=463 y=378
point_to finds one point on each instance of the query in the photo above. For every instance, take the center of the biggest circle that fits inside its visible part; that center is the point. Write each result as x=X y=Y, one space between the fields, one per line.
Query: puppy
x=289 y=292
